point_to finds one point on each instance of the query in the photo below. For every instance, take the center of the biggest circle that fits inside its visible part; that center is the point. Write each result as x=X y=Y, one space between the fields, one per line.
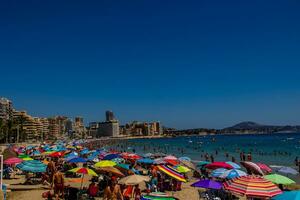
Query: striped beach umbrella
x=252 y=186
x=253 y=168
x=170 y=171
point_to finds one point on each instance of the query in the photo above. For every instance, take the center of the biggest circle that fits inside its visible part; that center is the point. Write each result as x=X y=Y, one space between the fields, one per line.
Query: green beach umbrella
x=182 y=169
x=279 y=179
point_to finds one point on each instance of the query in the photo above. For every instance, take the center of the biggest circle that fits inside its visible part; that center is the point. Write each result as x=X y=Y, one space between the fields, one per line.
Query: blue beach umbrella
x=287 y=170
x=233 y=173
x=234 y=165
x=73 y=154
x=77 y=160
x=145 y=161
x=32 y=166
x=111 y=156
x=218 y=172
x=148 y=155
x=124 y=166
x=185 y=159
x=118 y=160
x=36 y=153
x=84 y=151
x=291 y=195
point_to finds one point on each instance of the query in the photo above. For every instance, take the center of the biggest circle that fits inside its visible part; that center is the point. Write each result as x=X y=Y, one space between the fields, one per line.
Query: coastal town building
x=79 y=128
x=142 y=129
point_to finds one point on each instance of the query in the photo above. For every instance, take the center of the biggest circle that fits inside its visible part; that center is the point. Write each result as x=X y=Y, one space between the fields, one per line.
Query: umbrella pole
x=81 y=182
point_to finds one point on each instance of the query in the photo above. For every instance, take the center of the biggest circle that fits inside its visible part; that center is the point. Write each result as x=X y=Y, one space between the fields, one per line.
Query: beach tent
x=170 y=171
x=133 y=180
x=252 y=186
x=208 y=184
x=279 y=179
x=32 y=166
x=290 y=195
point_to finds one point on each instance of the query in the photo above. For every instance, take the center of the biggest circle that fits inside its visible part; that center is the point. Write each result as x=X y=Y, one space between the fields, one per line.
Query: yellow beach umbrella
x=105 y=163
x=182 y=169
x=26 y=159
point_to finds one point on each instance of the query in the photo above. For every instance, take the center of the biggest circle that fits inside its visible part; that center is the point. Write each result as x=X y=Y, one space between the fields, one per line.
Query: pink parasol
x=13 y=161
x=265 y=168
x=217 y=165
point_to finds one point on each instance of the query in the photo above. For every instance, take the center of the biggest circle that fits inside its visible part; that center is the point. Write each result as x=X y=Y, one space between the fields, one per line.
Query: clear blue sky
x=186 y=63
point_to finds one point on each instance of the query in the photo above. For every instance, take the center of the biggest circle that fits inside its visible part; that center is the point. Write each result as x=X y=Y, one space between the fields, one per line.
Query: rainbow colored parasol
x=252 y=186
x=170 y=171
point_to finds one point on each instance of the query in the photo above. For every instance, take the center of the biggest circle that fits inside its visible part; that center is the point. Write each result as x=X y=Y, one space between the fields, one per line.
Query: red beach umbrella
x=56 y=154
x=252 y=186
x=217 y=165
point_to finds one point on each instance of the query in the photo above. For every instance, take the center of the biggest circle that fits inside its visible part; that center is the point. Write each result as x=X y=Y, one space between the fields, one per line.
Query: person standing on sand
x=51 y=170
x=58 y=181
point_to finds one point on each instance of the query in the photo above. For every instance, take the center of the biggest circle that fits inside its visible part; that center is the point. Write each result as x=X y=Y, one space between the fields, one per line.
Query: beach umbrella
x=77 y=160
x=159 y=161
x=233 y=173
x=33 y=166
x=118 y=160
x=218 y=172
x=152 y=197
x=12 y=161
x=170 y=157
x=26 y=159
x=185 y=159
x=172 y=162
x=131 y=156
x=188 y=164
x=252 y=186
x=208 y=184
x=133 y=180
x=265 y=168
x=216 y=165
x=148 y=155
x=83 y=171
x=112 y=170
x=145 y=161
x=170 y=171
x=290 y=195
x=202 y=163
x=287 y=170
x=72 y=154
x=182 y=169
x=56 y=154
x=123 y=166
x=84 y=151
x=105 y=163
x=279 y=179
x=23 y=156
x=234 y=165
x=111 y=156
x=36 y=153
x=253 y=168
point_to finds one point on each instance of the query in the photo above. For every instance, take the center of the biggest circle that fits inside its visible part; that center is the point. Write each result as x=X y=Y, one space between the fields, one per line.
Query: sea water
x=272 y=149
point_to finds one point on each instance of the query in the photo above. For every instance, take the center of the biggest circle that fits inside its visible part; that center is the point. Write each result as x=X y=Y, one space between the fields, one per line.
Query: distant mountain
x=246 y=125
x=253 y=127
